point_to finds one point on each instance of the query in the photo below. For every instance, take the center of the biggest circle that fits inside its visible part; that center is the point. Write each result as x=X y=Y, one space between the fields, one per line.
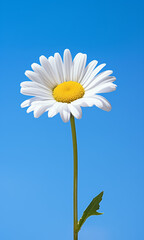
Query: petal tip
x=22 y=105
x=66 y=50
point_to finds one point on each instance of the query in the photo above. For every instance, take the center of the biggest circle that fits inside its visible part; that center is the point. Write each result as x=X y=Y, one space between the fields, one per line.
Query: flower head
x=65 y=86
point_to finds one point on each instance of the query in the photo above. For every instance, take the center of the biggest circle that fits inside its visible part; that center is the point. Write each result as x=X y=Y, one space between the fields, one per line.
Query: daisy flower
x=64 y=86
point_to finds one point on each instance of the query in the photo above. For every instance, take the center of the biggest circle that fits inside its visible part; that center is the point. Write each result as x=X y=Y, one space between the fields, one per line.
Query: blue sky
x=36 y=154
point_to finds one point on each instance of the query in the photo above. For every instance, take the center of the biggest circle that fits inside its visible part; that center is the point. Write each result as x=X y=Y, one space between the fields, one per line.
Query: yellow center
x=68 y=91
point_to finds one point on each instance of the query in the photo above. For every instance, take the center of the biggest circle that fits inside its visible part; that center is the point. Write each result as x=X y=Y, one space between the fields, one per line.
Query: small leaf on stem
x=90 y=210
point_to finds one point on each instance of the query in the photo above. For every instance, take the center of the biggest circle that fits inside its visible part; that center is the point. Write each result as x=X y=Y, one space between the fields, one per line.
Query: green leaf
x=90 y=210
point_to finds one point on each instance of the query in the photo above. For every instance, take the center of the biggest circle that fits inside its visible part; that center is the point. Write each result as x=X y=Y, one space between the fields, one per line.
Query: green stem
x=75 y=176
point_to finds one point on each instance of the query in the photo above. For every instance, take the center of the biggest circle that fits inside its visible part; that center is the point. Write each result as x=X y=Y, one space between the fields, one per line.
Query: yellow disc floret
x=67 y=92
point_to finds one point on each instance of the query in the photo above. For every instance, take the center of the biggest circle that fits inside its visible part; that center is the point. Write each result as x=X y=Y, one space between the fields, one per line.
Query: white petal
x=48 y=103
x=106 y=104
x=26 y=84
x=82 y=102
x=93 y=74
x=43 y=75
x=75 y=110
x=28 y=102
x=88 y=71
x=92 y=101
x=30 y=109
x=39 y=107
x=106 y=87
x=54 y=109
x=38 y=92
x=79 y=63
x=102 y=88
x=48 y=68
x=65 y=113
x=109 y=79
x=67 y=64
x=40 y=110
x=52 y=62
x=30 y=84
x=98 y=101
x=59 y=66
x=98 y=79
x=33 y=76
x=82 y=65
x=88 y=102
x=74 y=64
x=78 y=102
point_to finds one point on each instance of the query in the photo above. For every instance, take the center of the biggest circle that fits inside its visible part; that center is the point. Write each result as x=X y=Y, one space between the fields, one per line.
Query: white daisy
x=65 y=86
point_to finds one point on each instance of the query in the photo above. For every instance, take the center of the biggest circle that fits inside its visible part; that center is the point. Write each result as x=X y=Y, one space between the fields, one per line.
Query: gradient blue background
x=36 y=154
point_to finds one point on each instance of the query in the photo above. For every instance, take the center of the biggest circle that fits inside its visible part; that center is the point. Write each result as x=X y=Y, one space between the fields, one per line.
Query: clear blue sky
x=36 y=154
